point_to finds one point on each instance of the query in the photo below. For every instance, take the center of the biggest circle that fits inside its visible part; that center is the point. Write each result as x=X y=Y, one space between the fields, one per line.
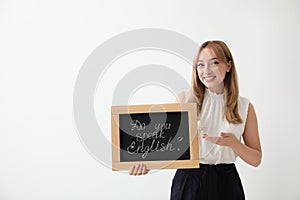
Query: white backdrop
x=43 y=45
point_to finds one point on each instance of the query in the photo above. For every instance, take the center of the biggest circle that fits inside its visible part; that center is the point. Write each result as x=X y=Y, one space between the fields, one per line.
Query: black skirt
x=209 y=182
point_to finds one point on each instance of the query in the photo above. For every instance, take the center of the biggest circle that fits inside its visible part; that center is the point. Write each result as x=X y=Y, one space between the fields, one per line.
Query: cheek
x=199 y=76
x=220 y=73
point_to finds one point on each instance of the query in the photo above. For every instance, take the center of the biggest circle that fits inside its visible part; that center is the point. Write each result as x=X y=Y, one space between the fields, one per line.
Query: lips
x=209 y=78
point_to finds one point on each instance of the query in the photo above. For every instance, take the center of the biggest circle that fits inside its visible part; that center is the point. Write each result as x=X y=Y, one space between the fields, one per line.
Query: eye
x=200 y=65
x=214 y=63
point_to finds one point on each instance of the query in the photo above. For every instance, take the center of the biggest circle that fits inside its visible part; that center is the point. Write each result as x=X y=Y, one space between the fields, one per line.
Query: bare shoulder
x=251 y=113
x=251 y=133
x=181 y=97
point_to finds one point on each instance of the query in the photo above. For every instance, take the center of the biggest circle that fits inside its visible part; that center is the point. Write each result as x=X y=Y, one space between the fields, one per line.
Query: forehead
x=207 y=53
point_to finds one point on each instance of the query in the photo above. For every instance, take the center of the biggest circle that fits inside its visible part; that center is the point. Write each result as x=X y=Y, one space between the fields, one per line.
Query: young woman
x=223 y=118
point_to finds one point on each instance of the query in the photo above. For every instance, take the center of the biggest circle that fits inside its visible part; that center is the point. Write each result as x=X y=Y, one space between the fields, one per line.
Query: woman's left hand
x=227 y=139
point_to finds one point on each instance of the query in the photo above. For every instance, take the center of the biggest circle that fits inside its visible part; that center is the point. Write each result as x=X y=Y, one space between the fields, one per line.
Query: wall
x=43 y=45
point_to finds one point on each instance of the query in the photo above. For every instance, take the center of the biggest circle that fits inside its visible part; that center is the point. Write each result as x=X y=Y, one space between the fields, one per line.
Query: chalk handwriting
x=151 y=140
x=138 y=125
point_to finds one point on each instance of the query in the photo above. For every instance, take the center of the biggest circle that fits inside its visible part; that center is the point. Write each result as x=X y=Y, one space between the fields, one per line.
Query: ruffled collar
x=214 y=95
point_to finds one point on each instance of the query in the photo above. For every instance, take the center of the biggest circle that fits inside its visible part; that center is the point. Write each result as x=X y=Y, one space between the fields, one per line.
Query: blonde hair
x=231 y=89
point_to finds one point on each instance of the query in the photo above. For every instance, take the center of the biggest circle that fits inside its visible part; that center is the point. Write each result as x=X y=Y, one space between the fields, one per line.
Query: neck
x=219 y=90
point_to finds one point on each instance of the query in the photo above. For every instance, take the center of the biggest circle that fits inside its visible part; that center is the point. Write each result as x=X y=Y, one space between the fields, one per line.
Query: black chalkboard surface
x=154 y=136
x=161 y=136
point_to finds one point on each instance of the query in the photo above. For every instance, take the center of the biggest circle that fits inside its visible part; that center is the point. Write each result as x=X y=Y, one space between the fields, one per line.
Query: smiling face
x=211 y=70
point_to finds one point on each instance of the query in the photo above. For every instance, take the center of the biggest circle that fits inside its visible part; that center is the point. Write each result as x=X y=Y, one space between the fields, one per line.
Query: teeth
x=209 y=78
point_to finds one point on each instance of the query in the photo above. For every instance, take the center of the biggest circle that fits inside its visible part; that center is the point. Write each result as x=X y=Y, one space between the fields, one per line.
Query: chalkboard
x=161 y=136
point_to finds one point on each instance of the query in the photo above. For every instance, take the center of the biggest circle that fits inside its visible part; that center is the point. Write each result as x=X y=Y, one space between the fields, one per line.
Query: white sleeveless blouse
x=211 y=121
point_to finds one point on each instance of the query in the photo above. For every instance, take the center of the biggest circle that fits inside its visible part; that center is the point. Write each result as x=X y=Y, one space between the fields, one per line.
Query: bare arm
x=250 y=152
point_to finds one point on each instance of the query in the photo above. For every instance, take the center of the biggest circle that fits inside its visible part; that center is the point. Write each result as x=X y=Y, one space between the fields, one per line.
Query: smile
x=209 y=78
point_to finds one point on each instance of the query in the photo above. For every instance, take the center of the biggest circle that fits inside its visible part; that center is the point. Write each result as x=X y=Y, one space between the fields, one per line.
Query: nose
x=207 y=67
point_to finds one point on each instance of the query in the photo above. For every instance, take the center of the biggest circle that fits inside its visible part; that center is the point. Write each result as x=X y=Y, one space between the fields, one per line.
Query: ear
x=228 y=66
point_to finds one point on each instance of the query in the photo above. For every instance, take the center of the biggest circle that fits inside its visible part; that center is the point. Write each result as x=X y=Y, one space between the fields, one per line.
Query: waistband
x=221 y=165
x=217 y=165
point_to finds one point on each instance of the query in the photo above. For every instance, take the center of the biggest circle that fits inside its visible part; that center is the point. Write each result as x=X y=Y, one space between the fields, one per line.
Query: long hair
x=231 y=89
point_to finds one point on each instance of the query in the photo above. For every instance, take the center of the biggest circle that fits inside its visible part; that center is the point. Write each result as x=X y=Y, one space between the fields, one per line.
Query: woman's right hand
x=139 y=169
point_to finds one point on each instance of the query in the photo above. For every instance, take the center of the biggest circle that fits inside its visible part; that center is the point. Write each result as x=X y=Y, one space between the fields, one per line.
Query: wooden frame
x=193 y=161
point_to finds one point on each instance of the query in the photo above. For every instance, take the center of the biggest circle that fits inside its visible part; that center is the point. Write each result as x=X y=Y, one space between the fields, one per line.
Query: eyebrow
x=209 y=59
